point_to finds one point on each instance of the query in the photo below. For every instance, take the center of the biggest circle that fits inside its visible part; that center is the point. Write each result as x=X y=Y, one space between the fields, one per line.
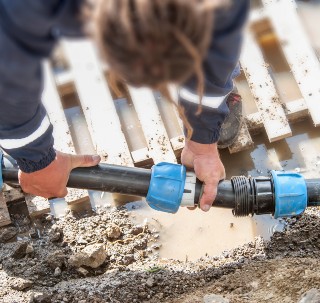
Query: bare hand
x=52 y=180
x=205 y=160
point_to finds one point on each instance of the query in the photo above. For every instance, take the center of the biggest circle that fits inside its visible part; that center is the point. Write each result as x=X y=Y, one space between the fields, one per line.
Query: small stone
x=56 y=259
x=141 y=244
x=150 y=282
x=156 y=246
x=214 y=299
x=7 y=234
x=81 y=240
x=29 y=249
x=55 y=234
x=20 y=284
x=92 y=256
x=311 y=296
x=57 y=272
x=19 y=250
x=113 y=231
x=49 y=218
x=136 y=230
x=55 y=237
x=82 y=271
x=33 y=233
x=127 y=259
x=41 y=298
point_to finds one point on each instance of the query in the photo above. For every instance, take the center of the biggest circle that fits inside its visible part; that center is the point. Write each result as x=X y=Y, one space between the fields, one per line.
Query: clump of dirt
x=107 y=258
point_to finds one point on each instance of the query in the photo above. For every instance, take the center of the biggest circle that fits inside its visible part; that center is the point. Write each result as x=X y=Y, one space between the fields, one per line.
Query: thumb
x=84 y=160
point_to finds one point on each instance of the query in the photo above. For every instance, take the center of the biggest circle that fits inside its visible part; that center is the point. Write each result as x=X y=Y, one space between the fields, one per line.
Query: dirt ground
x=104 y=257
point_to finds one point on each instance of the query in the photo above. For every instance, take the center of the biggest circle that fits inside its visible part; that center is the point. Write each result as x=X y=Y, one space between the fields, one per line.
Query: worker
x=194 y=44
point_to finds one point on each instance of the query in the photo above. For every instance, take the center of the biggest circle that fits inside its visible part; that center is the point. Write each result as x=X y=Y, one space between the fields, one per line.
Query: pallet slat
x=97 y=103
x=153 y=128
x=297 y=49
x=51 y=100
x=172 y=122
x=263 y=90
x=61 y=131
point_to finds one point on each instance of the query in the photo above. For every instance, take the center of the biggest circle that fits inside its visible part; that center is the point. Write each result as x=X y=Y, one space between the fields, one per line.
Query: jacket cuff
x=204 y=135
x=28 y=166
x=206 y=126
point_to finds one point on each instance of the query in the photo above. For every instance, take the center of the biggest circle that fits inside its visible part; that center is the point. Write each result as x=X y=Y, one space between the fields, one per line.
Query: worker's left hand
x=51 y=181
x=205 y=160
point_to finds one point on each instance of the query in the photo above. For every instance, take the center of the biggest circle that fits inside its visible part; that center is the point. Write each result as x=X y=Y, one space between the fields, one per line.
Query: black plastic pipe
x=246 y=196
x=108 y=178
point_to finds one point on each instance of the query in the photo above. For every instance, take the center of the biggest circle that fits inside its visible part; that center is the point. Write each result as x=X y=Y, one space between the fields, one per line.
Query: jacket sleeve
x=220 y=68
x=29 y=30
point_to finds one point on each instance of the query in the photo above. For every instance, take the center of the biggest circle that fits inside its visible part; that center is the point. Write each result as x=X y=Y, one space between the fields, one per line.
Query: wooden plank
x=61 y=132
x=64 y=82
x=243 y=142
x=297 y=49
x=4 y=213
x=152 y=125
x=13 y=194
x=170 y=117
x=140 y=155
x=178 y=142
x=263 y=90
x=173 y=90
x=257 y=15
x=97 y=103
x=51 y=101
x=295 y=111
x=132 y=129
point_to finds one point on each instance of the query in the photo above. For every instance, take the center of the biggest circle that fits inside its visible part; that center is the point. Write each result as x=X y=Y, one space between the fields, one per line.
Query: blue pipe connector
x=290 y=194
x=166 y=187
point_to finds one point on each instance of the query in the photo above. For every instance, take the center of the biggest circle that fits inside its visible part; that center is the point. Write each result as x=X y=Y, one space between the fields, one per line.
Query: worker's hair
x=155 y=42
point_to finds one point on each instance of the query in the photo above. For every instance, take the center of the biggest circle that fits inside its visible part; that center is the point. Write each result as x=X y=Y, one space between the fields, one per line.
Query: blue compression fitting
x=290 y=191
x=166 y=187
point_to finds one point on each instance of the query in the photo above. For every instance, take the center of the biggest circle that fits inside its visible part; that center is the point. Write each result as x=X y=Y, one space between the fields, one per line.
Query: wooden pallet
x=158 y=136
x=273 y=114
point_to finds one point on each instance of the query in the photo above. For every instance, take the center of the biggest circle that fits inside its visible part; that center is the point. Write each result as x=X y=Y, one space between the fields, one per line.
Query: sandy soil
x=106 y=258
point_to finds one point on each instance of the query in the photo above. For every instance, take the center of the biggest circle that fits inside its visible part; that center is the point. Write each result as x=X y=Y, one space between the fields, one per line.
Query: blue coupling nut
x=290 y=192
x=166 y=187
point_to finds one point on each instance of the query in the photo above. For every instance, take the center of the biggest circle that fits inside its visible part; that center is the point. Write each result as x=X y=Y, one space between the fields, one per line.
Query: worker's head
x=154 y=42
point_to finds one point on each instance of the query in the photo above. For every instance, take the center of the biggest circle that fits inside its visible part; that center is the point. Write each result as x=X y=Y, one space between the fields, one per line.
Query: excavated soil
x=105 y=257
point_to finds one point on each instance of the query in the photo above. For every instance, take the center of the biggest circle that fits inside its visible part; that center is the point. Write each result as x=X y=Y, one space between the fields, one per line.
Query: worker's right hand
x=52 y=180
x=205 y=160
